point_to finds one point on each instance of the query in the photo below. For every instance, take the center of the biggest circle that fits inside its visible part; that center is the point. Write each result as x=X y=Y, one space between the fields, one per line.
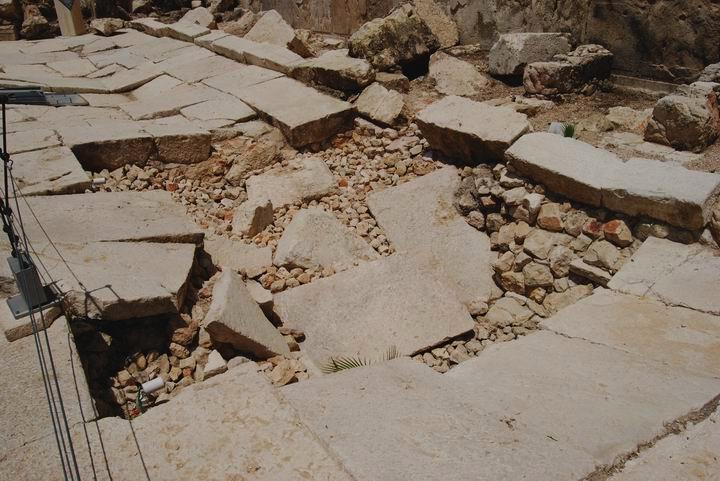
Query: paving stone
x=202 y=68
x=676 y=274
x=513 y=51
x=470 y=131
x=30 y=140
x=206 y=41
x=227 y=107
x=316 y=238
x=180 y=144
x=263 y=55
x=235 y=318
x=637 y=187
x=25 y=412
x=418 y=217
x=49 y=171
x=186 y=31
x=303 y=114
x=118 y=216
x=154 y=88
x=380 y=105
x=337 y=70
x=241 y=76
x=109 y=146
x=237 y=255
x=675 y=336
x=426 y=432
x=691 y=454
x=367 y=310
x=170 y=103
x=302 y=181
x=268 y=440
x=73 y=68
x=132 y=78
x=150 y=26
x=122 y=57
x=595 y=398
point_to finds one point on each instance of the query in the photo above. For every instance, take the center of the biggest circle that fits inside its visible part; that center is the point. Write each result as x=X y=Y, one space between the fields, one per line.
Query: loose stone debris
x=245 y=207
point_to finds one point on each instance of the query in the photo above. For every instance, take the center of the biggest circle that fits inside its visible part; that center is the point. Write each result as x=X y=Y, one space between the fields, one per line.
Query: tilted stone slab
x=471 y=131
x=29 y=140
x=301 y=181
x=130 y=79
x=597 y=177
x=150 y=26
x=239 y=77
x=170 y=103
x=337 y=70
x=676 y=274
x=186 y=31
x=236 y=415
x=678 y=337
x=236 y=255
x=419 y=218
x=202 y=68
x=264 y=55
x=109 y=146
x=595 y=398
x=228 y=108
x=400 y=420
x=367 y=310
x=206 y=40
x=316 y=238
x=303 y=114
x=513 y=51
x=235 y=318
x=50 y=171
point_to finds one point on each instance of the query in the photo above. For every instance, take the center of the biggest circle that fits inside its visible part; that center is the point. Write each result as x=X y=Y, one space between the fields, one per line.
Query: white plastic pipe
x=153 y=385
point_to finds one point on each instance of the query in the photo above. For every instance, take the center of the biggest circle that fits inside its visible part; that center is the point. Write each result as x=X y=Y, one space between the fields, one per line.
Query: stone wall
x=663 y=39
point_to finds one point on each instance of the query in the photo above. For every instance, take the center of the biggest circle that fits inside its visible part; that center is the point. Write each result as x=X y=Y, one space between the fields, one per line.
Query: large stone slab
x=471 y=131
x=235 y=318
x=180 y=144
x=419 y=218
x=49 y=171
x=186 y=31
x=109 y=146
x=169 y=103
x=678 y=337
x=237 y=415
x=595 y=398
x=676 y=274
x=29 y=140
x=691 y=454
x=303 y=114
x=264 y=55
x=202 y=68
x=234 y=80
x=337 y=70
x=367 y=310
x=301 y=181
x=513 y=51
x=226 y=108
x=597 y=177
x=316 y=238
x=237 y=255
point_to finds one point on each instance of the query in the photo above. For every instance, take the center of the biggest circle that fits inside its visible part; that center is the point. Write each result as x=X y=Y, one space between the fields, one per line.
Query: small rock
x=617 y=232
x=550 y=217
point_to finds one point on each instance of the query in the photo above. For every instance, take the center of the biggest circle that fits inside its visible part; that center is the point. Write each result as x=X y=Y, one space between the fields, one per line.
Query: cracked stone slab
x=236 y=79
x=169 y=103
x=29 y=140
x=186 y=31
x=676 y=336
x=419 y=218
x=50 y=171
x=337 y=70
x=180 y=144
x=109 y=146
x=471 y=131
x=676 y=274
x=227 y=108
x=301 y=181
x=202 y=68
x=264 y=55
x=303 y=114
x=367 y=310
x=237 y=255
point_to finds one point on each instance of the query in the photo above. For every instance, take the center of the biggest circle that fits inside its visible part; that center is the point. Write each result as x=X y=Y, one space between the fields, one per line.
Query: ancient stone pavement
x=619 y=377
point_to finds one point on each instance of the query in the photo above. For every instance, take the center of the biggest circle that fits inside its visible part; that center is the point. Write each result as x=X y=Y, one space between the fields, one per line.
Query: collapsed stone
x=513 y=51
x=576 y=72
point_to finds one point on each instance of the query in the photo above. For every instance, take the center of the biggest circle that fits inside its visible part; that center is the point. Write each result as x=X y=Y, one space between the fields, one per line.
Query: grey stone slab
x=598 y=399
x=150 y=26
x=186 y=31
x=73 y=68
x=676 y=274
x=154 y=88
x=25 y=414
x=237 y=255
x=678 y=337
x=202 y=68
x=691 y=454
x=470 y=131
x=170 y=103
x=302 y=181
x=400 y=420
x=367 y=310
x=316 y=238
x=50 y=171
x=236 y=415
x=132 y=78
x=303 y=114
x=30 y=140
x=235 y=318
x=109 y=145
x=264 y=55
x=206 y=40
x=227 y=107
x=239 y=77
x=123 y=57
x=419 y=218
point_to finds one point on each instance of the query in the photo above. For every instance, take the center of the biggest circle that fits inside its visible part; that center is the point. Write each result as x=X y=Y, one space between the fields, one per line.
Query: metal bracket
x=33 y=297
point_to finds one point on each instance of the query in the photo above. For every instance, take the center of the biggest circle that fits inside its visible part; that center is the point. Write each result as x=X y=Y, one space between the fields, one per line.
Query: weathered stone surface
x=590 y=272
x=186 y=31
x=30 y=140
x=271 y=28
x=594 y=176
x=238 y=256
x=393 y=81
x=691 y=454
x=305 y=180
x=471 y=131
x=419 y=218
x=438 y=21
x=572 y=72
x=150 y=26
x=180 y=144
x=256 y=156
x=15 y=329
x=380 y=104
x=513 y=51
x=235 y=318
x=73 y=68
x=456 y=77
x=239 y=77
x=369 y=309
x=264 y=55
x=109 y=146
x=316 y=238
x=227 y=108
x=206 y=40
x=677 y=337
x=402 y=38
x=49 y=171
x=303 y=114
x=337 y=70
x=252 y=216
x=203 y=68
x=170 y=103
x=200 y=16
x=676 y=274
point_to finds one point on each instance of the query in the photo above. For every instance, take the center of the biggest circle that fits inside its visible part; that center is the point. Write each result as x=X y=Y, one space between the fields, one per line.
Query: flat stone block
x=303 y=114
x=50 y=171
x=304 y=180
x=202 y=68
x=471 y=131
x=186 y=31
x=228 y=108
x=237 y=255
x=29 y=140
x=170 y=103
x=239 y=77
x=263 y=55
x=367 y=310
x=337 y=70
x=180 y=144
x=109 y=146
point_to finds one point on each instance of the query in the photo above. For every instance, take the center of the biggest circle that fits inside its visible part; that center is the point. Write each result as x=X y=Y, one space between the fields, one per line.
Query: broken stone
x=550 y=218
x=200 y=16
x=438 y=21
x=271 y=28
x=513 y=51
x=589 y=272
x=186 y=32
x=49 y=171
x=337 y=70
x=572 y=72
x=304 y=180
x=380 y=105
x=238 y=256
x=251 y=217
x=108 y=147
x=235 y=318
x=257 y=156
x=456 y=77
x=215 y=365
x=617 y=232
x=180 y=144
x=263 y=55
x=393 y=81
x=537 y=275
